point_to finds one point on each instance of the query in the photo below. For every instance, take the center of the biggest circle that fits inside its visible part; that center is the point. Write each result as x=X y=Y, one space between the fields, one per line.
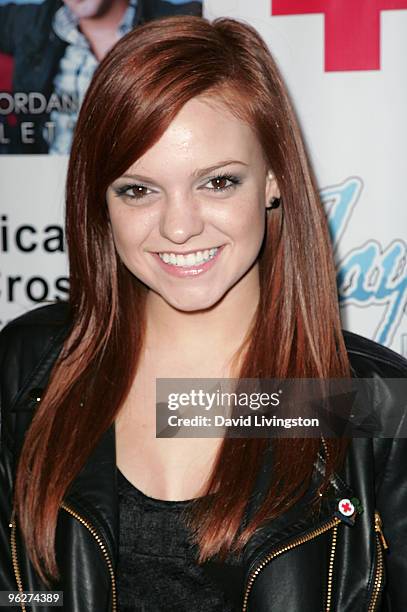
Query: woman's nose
x=181 y=219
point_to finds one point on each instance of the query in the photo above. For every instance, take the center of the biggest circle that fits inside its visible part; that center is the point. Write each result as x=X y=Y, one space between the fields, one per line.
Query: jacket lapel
x=93 y=493
x=297 y=522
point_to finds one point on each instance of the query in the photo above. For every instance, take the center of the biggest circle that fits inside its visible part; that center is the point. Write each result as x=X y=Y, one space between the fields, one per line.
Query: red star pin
x=346 y=507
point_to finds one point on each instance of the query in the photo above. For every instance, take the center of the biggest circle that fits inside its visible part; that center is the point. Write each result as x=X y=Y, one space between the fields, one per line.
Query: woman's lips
x=183 y=271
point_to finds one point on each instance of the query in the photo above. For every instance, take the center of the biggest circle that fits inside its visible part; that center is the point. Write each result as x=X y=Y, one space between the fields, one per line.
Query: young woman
x=198 y=249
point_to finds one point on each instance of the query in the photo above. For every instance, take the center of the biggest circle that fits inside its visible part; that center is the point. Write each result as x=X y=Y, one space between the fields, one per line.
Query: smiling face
x=188 y=217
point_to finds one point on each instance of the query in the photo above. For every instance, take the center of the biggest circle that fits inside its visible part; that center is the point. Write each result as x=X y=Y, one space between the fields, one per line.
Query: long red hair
x=136 y=92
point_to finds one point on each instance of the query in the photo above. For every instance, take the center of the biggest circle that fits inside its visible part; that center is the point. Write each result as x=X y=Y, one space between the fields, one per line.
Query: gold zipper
x=103 y=548
x=90 y=528
x=381 y=545
x=14 y=557
x=331 y=569
x=333 y=523
x=378 y=527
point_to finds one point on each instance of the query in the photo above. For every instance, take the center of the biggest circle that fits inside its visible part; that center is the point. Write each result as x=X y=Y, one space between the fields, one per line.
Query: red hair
x=135 y=94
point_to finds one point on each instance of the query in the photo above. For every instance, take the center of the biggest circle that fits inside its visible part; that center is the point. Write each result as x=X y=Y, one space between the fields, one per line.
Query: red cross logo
x=346 y=507
x=352 y=29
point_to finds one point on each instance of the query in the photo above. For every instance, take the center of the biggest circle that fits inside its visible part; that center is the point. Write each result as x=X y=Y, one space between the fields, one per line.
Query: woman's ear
x=272 y=190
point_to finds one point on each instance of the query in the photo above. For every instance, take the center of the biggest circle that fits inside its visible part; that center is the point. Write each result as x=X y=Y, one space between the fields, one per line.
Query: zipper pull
x=378 y=527
x=11 y=523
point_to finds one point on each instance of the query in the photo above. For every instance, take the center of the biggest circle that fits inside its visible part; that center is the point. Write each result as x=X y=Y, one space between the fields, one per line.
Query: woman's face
x=188 y=217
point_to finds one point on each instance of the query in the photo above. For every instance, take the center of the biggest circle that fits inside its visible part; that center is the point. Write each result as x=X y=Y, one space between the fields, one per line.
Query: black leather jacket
x=297 y=563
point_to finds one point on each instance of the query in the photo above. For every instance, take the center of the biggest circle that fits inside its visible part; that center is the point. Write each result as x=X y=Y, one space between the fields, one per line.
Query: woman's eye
x=217 y=184
x=221 y=183
x=136 y=192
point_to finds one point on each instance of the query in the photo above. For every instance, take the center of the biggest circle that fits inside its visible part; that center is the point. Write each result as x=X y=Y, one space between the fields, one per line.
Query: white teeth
x=192 y=259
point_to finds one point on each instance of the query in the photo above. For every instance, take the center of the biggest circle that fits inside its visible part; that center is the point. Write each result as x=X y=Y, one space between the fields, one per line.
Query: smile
x=189 y=265
x=190 y=259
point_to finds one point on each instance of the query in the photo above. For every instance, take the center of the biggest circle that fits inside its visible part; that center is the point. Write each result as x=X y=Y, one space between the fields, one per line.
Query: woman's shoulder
x=29 y=335
x=56 y=314
x=369 y=358
x=37 y=324
x=29 y=345
x=380 y=379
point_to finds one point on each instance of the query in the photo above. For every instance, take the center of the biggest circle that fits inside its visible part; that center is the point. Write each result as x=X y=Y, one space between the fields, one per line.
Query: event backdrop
x=345 y=66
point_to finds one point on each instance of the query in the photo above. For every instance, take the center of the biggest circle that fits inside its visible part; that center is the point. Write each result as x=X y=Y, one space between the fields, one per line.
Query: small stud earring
x=274 y=203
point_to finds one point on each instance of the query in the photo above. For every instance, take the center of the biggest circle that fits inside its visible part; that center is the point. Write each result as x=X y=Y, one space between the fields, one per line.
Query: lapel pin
x=346 y=507
x=346 y=511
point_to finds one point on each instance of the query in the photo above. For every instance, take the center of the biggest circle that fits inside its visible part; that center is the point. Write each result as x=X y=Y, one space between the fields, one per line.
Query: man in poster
x=54 y=48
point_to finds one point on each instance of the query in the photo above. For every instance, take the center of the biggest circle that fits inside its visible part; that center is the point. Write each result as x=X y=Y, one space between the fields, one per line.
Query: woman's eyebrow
x=219 y=164
x=196 y=173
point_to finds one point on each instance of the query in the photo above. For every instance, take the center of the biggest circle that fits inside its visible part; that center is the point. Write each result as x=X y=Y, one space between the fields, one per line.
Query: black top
x=157 y=569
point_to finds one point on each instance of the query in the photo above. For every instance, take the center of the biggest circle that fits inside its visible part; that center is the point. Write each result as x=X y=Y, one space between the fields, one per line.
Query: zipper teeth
x=331 y=569
x=91 y=529
x=301 y=540
x=379 y=565
x=15 y=560
x=378 y=577
x=103 y=548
